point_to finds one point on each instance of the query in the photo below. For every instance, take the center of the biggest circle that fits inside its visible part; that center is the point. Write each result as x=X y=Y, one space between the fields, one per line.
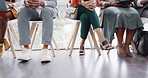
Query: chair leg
x=10 y=41
x=34 y=35
x=54 y=42
x=90 y=42
x=94 y=40
x=15 y=35
x=33 y=26
x=52 y=50
x=71 y=38
x=74 y=37
x=134 y=47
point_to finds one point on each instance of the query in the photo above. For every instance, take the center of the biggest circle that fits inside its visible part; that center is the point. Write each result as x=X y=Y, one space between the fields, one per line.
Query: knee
x=47 y=11
x=24 y=10
x=84 y=17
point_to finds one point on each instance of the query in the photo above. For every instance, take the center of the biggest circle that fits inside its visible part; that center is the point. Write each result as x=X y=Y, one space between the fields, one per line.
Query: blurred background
x=62 y=30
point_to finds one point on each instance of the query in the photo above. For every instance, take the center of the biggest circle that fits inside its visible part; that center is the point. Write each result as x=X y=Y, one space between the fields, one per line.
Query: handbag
x=13 y=11
x=71 y=13
x=142 y=43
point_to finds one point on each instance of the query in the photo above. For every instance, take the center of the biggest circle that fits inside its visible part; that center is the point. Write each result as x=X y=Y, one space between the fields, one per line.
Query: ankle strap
x=104 y=42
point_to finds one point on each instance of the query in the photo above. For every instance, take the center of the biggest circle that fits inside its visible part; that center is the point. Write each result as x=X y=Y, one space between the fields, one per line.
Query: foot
x=120 y=51
x=45 y=56
x=81 y=52
x=1 y=50
x=6 y=45
x=127 y=50
x=25 y=55
x=105 y=45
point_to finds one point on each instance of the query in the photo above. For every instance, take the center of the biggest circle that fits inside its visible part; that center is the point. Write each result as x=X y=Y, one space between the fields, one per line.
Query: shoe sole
x=24 y=59
x=47 y=61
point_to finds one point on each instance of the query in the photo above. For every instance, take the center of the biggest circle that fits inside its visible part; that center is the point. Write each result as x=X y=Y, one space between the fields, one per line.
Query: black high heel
x=81 y=52
x=109 y=47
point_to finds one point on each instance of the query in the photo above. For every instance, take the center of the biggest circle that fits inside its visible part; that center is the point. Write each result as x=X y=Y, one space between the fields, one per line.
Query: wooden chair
x=33 y=32
x=74 y=35
x=10 y=31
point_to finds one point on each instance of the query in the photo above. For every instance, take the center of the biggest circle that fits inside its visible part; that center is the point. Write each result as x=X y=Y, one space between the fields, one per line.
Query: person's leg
x=85 y=27
x=24 y=16
x=3 y=26
x=129 y=36
x=94 y=20
x=120 y=49
x=47 y=29
x=47 y=15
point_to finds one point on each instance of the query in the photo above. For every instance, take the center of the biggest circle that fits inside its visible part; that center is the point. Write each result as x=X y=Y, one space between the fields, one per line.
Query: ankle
x=26 y=46
x=45 y=47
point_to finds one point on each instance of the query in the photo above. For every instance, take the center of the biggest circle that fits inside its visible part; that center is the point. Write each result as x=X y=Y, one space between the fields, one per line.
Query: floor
x=64 y=66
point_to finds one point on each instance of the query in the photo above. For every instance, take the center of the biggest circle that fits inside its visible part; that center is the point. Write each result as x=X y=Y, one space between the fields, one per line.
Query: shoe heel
x=6 y=45
x=101 y=47
x=1 y=49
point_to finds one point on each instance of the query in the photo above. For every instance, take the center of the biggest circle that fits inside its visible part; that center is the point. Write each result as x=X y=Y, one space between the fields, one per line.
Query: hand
x=114 y=4
x=31 y=3
x=89 y=5
x=41 y=3
x=35 y=3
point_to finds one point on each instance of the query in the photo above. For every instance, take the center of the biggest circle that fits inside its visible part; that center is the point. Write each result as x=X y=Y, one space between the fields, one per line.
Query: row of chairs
x=33 y=32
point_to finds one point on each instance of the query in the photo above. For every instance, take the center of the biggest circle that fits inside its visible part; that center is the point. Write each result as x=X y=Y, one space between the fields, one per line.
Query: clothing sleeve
x=51 y=3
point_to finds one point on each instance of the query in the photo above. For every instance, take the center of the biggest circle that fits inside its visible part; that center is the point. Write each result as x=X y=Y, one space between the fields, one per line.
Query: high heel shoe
x=108 y=47
x=81 y=52
x=1 y=49
x=6 y=45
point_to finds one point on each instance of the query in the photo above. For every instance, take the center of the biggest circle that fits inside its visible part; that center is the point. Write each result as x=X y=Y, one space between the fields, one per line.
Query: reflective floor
x=63 y=66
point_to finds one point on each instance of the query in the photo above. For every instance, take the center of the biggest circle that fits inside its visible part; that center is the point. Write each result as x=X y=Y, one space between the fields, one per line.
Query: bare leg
x=45 y=47
x=26 y=46
x=3 y=26
x=120 y=49
x=101 y=37
x=120 y=33
x=129 y=36
x=82 y=42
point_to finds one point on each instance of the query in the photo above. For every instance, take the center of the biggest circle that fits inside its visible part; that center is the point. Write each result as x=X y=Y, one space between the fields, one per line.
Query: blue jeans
x=26 y=14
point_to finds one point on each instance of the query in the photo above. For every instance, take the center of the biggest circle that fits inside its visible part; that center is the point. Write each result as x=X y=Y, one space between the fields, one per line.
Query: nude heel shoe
x=6 y=45
x=1 y=49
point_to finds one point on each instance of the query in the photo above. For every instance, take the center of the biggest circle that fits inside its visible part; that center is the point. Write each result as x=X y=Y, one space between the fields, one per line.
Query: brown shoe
x=6 y=45
x=81 y=52
x=1 y=49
